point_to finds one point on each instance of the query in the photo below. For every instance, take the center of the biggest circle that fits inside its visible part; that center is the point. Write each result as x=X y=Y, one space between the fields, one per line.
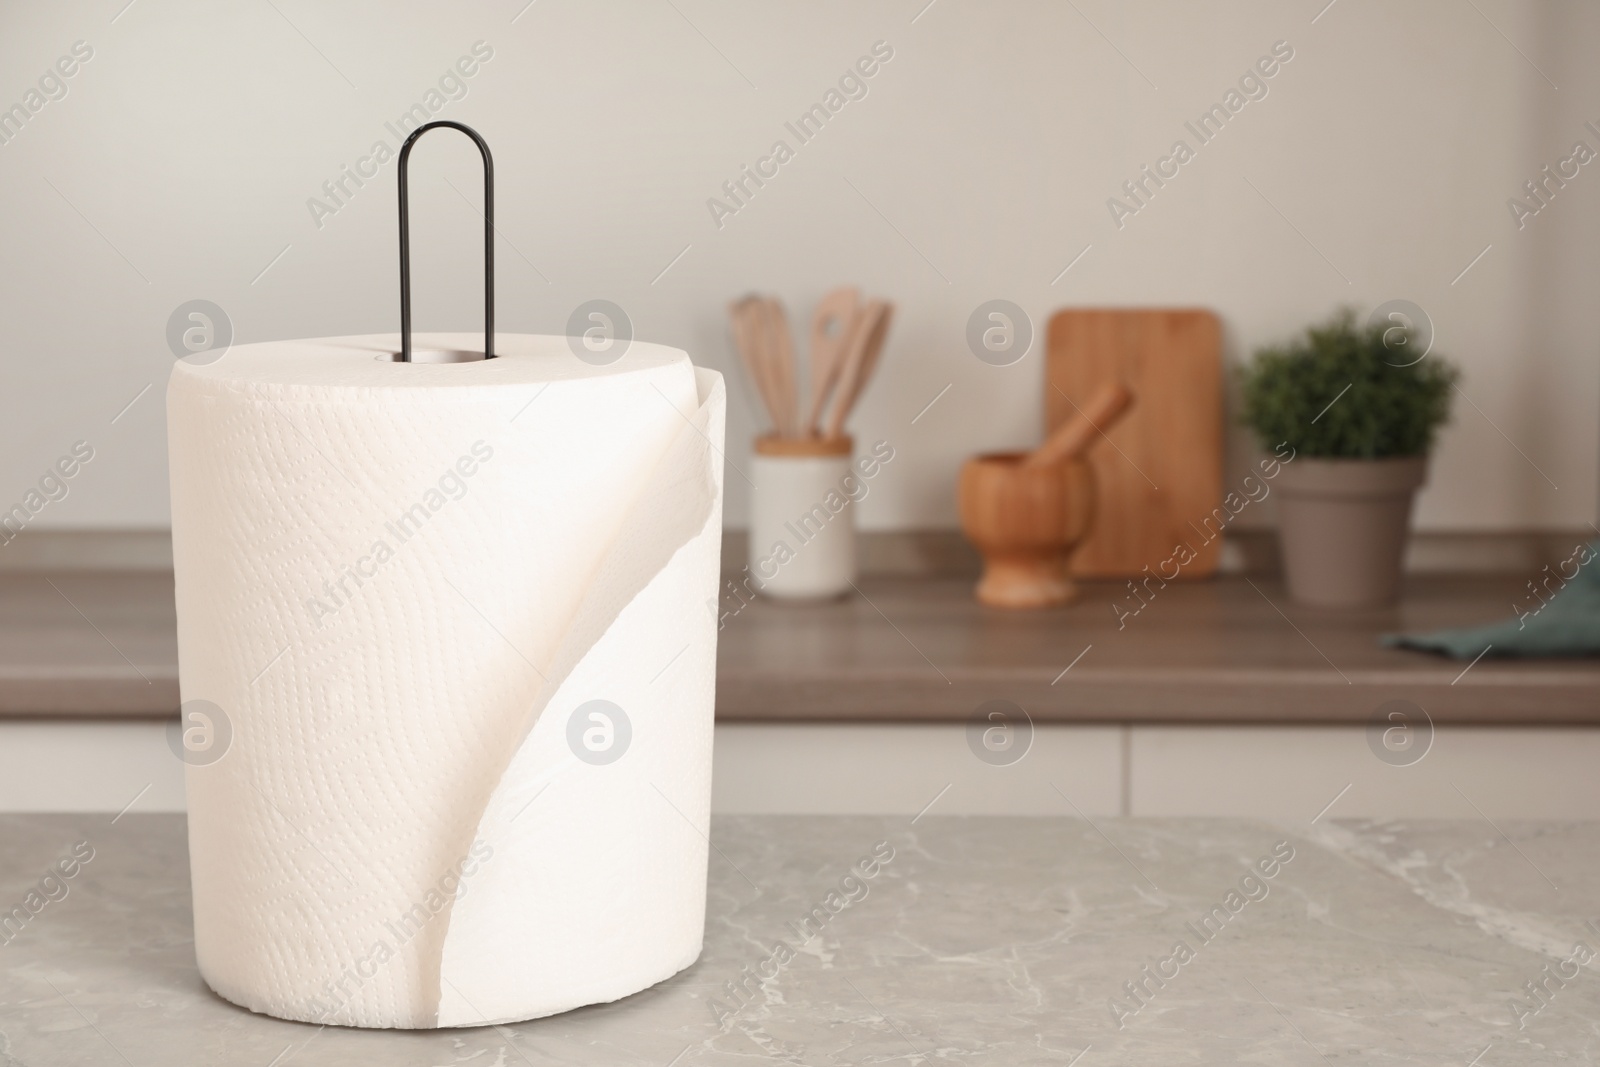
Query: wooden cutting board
x=1157 y=487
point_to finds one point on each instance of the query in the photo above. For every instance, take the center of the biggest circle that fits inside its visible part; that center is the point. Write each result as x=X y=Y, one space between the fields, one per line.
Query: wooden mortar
x=1025 y=521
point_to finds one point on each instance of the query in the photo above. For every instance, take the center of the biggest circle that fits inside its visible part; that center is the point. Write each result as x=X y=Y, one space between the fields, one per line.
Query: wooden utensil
x=780 y=364
x=1073 y=438
x=1165 y=471
x=747 y=338
x=831 y=323
x=866 y=344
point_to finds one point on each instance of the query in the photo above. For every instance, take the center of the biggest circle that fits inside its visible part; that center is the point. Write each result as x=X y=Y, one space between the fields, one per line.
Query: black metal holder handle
x=488 y=238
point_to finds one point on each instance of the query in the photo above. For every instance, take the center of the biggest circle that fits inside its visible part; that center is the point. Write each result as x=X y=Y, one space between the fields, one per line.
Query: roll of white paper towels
x=447 y=651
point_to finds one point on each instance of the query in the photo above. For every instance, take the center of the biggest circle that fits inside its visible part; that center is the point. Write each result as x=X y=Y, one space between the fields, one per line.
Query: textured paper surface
x=399 y=832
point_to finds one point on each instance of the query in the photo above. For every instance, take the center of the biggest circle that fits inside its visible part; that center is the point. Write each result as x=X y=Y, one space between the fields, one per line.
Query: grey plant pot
x=1342 y=526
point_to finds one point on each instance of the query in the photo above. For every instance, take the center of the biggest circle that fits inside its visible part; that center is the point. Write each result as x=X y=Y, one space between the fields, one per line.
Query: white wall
x=189 y=145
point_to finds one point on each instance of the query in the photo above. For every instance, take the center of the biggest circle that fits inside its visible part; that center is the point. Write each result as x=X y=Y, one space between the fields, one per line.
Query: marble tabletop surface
x=981 y=941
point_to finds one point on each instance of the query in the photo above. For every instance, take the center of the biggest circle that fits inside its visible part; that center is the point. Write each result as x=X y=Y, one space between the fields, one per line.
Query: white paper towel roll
x=403 y=585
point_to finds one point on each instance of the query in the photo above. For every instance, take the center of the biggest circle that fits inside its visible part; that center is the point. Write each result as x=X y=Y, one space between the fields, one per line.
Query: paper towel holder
x=404 y=355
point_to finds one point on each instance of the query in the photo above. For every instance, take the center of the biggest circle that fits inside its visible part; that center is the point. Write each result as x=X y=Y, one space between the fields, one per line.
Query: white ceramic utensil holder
x=802 y=517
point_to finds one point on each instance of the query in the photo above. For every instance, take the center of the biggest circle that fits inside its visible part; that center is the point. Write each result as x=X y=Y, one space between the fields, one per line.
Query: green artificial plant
x=1345 y=391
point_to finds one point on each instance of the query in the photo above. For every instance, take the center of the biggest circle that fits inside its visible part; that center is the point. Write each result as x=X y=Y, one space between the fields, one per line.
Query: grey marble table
x=982 y=941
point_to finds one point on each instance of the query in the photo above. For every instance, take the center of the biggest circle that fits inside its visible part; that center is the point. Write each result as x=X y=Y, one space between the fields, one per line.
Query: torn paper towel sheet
x=406 y=589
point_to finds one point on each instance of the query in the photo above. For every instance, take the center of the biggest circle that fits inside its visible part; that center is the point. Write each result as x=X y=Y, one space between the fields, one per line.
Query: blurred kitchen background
x=191 y=153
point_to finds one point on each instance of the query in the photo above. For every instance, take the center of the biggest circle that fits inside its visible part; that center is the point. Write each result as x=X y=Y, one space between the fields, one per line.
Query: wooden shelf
x=88 y=643
x=102 y=645
x=1224 y=650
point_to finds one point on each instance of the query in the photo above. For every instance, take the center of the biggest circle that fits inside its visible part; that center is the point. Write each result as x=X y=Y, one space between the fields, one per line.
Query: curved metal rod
x=488 y=238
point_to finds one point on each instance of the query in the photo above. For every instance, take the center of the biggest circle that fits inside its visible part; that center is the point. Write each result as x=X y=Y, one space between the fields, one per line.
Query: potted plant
x=1358 y=412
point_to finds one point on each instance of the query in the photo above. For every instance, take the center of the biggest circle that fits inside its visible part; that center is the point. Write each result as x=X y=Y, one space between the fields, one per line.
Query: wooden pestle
x=1072 y=438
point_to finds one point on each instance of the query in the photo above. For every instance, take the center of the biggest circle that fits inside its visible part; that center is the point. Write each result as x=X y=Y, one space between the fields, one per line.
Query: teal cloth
x=1567 y=623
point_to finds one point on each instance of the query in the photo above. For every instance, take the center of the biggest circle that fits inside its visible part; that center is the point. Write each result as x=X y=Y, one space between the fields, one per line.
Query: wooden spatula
x=780 y=365
x=748 y=333
x=830 y=339
x=866 y=344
